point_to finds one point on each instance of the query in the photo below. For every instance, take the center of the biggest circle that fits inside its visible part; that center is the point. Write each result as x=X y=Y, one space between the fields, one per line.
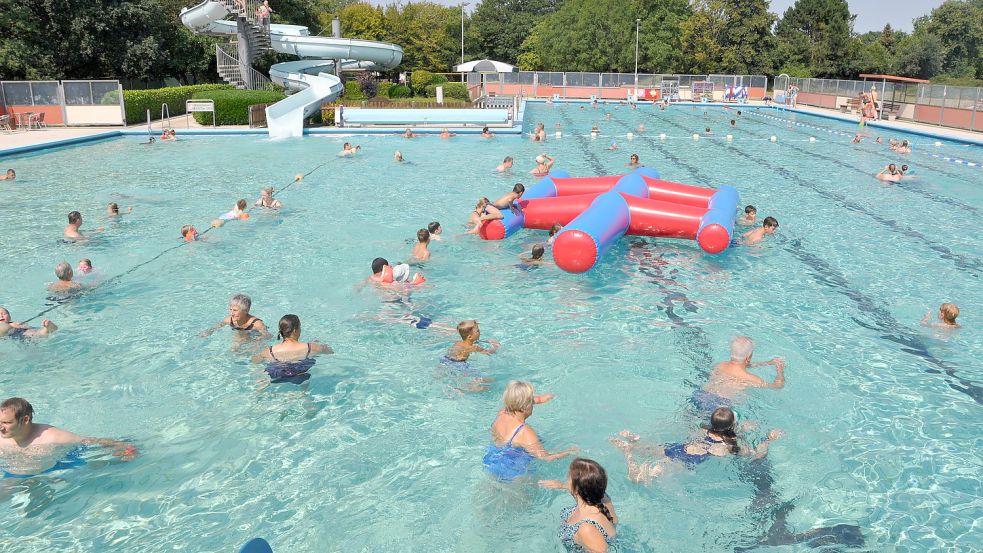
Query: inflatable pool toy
x=256 y=545
x=596 y=211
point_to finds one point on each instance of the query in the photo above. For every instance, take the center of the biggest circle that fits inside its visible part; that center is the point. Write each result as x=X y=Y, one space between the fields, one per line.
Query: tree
x=958 y=24
x=427 y=32
x=499 y=27
x=729 y=36
x=921 y=55
x=362 y=21
x=816 y=33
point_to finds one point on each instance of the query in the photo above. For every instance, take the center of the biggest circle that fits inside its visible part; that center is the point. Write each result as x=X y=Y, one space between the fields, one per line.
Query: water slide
x=596 y=211
x=311 y=78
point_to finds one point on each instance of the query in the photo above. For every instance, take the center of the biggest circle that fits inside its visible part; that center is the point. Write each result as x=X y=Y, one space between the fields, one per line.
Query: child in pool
x=238 y=212
x=537 y=256
x=435 y=229
x=750 y=216
x=554 y=230
x=420 y=250
x=470 y=333
x=947 y=317
x=85 y=266
x=768 y=226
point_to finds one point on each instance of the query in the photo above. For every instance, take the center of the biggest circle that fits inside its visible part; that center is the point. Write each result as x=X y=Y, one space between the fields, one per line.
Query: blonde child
x=947 y=317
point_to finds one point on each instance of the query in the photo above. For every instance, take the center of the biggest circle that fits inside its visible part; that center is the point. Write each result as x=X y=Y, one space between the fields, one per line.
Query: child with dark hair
x=768 y=226
x=435 y=230
x=420 y=250
x=536 y=257
x=750 y=216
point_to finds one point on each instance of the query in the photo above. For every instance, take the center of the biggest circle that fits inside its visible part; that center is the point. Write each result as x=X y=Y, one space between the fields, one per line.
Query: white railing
x=227 y=64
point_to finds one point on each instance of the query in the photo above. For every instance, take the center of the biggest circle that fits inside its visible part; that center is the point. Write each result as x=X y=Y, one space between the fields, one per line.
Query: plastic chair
x=37 y=120
x=5 y=124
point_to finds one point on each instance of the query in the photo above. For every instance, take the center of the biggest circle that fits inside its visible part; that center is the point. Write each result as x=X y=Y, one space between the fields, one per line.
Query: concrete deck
x=897 y=125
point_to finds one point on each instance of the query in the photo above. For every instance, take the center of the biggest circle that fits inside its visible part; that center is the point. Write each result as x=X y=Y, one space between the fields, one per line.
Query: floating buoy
x=773 y=138
x=558 y=134
x=730 y=137
x=593 y=134
x=696 y=136
x=662 y=136
x=630 y=136
x=937 y=143
x=812 y=139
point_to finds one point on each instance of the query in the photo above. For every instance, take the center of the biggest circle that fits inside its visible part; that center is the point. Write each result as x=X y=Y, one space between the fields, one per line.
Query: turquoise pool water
x=882 y=418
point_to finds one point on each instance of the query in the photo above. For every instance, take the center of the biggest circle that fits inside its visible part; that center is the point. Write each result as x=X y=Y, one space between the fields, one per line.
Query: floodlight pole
x=462 y=30
x=637 y=23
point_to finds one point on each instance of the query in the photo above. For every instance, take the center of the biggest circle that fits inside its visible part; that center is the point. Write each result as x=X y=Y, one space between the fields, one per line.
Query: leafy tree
x=817 y=33
x=729 y=36
x=498 y=27
x=362 y=21
x=427 y=32
x=958 y=24
x=922 y=55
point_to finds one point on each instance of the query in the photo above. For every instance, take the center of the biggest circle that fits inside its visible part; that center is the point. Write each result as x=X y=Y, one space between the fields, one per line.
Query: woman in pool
x=633 y=162
x=483 y=211
x=543 y=165
x=890 y=174
x=588 y=526
x=240 y=320
x=290 y=360
x=718 y=439
x=514 y=443
x=12 y=329
x=266 y=199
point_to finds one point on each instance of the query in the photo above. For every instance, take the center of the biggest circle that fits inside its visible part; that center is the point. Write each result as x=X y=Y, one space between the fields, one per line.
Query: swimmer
x=893 y=143
x=9 y=175
x=28 y=448
x=85 y=266
x=541 y=133
x=506 y=165
x=408 y=133
x=435 y=229
x=554 y=230
x=717 y=439
x=903 y=148
x=733 y=123
x=595 y=129
x=514 y=444
x=856 y=138
x=878 y=140
x=398 y=156
x=485 y=133
x=730 y=379
x=587 y=482
x=266 y=199
x=738 y=113
x=71 y=231
x=607 y=116
x=112 y=210
x=240 y=320
x=290 y=360
x=12 y=329
x=238 y=211
x=420 y=250
x=662 y=106
x=470 y=333
x=768 y=226
x=613 y=147
x=347 y=150
x=906 y=173
x=444 y=133
x=543 y=164
x=707 y=132
x=633 y=162
x=400 y=274
x=641 y=127
x=189 y=233
x=889 y=174
x=483 y=211
x=65 y=283
x=168 y=135
x=149 y=141
x=536 y=257
x=947 y=317
x=750 y=216
x=508 y=201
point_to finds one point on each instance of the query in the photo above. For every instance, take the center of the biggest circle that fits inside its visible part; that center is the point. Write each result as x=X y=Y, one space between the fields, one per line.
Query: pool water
x=378 y=453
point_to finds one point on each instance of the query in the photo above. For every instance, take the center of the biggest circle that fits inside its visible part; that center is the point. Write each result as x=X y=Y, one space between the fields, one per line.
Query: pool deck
x=52 y=137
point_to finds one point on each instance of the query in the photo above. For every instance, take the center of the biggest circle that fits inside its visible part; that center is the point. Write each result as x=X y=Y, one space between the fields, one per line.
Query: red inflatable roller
x=665 y=219
x=714 y=238
x=574 y=251
x=574 y=186
x=492 y=230
x=675 y=192
x=543 y=213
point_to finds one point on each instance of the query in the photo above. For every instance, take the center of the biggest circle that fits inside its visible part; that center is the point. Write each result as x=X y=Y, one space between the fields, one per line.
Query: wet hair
x=423 y=235
x=267 y=190
x=892 y=167
x=241 y=204
x=433 y=227
x=555 y=229
x=186 y=229
x=85 y=260
x=63 y=271
x=519 y=188
x=590 y=482
x=464 y=328
x=949 y=312
x=484 y=129
x=518 y=396
x=904 y=168
x=20 y=406
x=508 y=159
x=749 y=209
x=741 y=347
x=114 y=207
x=770 y=222
x=288 y=325
x=482 y=203
x=722 y=423
x=738 y=112
x=346 y=145
x=904 y=143
x=11 y=172
x=241 y=301
x=708 y=130
x=537 y=251
x=634 y=157
x=378 y=263
x=733 y=123
x=74 y=217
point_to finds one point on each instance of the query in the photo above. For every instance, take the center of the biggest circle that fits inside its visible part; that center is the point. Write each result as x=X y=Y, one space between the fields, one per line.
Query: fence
x=951 y=106
x=94 y=102
x=606 y=85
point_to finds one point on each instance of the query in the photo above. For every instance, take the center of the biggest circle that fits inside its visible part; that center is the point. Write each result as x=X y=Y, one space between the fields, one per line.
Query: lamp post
x=462 y=30
x=638 y=22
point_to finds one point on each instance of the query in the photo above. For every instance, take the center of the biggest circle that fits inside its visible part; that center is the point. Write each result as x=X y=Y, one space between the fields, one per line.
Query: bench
x=853 y=104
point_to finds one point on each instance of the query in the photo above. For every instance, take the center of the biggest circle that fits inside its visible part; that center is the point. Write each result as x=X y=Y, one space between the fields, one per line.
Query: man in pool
x=768 y=226
x=505 y=165
x=29 y=449
x=71 y=231
x=12 y=329
x=729 y=379
x=65 y=283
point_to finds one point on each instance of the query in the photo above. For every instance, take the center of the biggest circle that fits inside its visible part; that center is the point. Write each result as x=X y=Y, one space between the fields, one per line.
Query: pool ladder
x=165 y=113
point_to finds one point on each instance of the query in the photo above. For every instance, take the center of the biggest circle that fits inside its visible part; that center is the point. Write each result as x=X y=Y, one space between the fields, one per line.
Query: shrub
x=384 y=87
x=370 y=87
x=400 y=91
x=137 y=102
x=419 y=80
x=438 y=79
x=455 y=91
x=111 y=98
x=353 y=91
x=232 y=106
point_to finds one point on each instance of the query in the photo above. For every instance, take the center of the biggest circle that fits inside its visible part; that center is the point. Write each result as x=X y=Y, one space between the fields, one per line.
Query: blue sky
x=871 y=14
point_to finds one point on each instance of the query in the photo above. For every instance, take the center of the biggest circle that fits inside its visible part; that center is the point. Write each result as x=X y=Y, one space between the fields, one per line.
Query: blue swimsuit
x=71 y=460
x=507 y=462
x=568 y=531
x=294 y=372
x=707 y=402
x=677 y=452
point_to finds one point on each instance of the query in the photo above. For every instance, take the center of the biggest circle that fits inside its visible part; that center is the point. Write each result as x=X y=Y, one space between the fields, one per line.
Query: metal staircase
x=234 y=60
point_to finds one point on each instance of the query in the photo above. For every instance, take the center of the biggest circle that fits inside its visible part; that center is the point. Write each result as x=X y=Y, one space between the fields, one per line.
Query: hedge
x=457 y=91
x=353 y=91
x=137 y=102
x=384 y=87
x=400 y=91
x=232 y=106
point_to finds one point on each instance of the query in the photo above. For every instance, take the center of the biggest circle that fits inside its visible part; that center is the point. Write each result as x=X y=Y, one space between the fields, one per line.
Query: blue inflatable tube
x=542 y=189
x=717 y=225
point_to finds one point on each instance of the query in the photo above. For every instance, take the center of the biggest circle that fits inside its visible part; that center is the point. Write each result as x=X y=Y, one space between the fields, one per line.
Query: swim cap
x=540 y=159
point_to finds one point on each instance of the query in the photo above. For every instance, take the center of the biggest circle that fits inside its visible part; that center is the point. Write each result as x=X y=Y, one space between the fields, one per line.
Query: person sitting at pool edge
x=505 y=165
x=420 y=250
x=240 y=320
x=290 y=360
x=72 y=231
x=768 y=226
x=434 y=229
x=717 y=439
x=543 y=165
x=514 y=443
x=347 y=150
x=508 y=201
x=28 y=448
x=267 y=200
x=729 y=379
x=947 y=317
x=536 y=257
x=65 y=283
x=10 y=175
x=590 y=525
x=12 y=329
x=750 y=216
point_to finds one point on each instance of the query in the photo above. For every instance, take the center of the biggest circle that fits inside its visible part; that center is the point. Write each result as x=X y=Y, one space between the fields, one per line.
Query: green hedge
x=399 y=91
x=137 y=102
x=384 y=87
x=353 y=91
x=457 y=91
x=232 y=106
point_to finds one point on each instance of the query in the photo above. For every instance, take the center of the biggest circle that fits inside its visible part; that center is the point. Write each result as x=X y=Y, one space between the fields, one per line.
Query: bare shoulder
x=48 y=434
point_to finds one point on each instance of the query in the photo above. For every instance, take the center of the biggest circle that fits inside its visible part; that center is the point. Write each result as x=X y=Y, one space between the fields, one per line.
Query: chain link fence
x=613 y=85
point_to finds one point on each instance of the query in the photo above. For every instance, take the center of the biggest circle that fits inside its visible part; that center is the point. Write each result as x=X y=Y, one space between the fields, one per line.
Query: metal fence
x=89 y=102
x=604 y=85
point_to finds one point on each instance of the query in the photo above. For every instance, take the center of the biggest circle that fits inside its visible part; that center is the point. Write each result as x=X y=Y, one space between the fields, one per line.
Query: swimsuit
x=707 y=402
x=677 y=452
x=568 y=531
x=420 y=322
x=71 y=460
x=507 y=462
x=249 y=326
x=294 y=372
x=17 y=333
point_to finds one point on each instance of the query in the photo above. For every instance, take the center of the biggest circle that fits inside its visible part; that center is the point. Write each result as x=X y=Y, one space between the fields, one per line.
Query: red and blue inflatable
x=597 y=211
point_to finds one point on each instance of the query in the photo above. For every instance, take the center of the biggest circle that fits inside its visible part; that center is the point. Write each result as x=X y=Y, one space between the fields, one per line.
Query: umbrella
x=485 y=66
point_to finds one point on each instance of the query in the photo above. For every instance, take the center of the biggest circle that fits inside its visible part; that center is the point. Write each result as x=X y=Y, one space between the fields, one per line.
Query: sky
x=871 y=14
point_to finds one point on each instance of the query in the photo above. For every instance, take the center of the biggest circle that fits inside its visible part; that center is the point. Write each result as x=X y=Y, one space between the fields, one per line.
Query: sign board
x=651 y=93
x=440 y=95
x=197 y=106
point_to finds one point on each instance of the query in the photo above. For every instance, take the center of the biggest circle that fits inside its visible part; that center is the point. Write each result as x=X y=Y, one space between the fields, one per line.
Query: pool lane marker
x=116 y=278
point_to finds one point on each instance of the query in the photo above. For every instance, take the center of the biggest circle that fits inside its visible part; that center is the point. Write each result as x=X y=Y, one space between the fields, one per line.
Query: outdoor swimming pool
x=882 y=418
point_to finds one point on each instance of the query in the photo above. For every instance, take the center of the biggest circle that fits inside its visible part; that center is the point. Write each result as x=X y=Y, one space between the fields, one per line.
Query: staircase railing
x=229 y=68
x=165 y=112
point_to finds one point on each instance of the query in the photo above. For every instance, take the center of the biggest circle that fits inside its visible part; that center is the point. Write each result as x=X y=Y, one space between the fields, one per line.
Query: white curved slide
x=312 y=78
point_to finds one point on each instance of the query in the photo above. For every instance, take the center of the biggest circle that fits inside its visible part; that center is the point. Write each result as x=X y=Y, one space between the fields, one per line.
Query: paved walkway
x=900 y=126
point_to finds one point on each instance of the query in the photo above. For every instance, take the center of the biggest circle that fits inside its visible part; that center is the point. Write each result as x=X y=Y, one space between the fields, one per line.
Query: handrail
x=227 y=60
x=164 y=108
x=150 y=129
